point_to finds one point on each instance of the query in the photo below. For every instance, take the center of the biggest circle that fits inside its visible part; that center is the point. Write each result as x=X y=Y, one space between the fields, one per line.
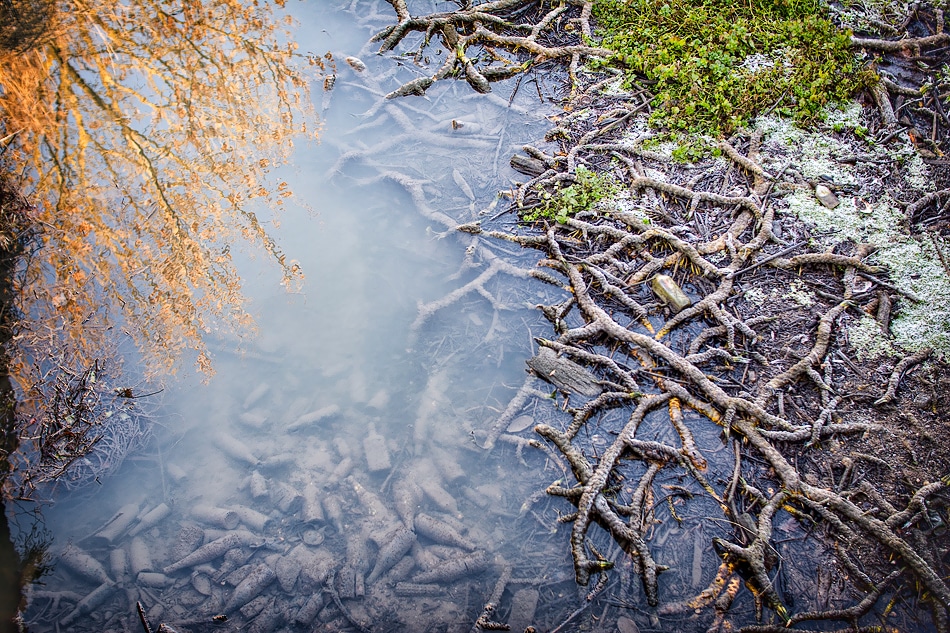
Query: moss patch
x=562 y=203
x=717 y=63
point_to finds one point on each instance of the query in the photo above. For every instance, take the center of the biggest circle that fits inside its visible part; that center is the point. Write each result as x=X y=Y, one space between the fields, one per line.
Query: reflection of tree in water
x=144 y=132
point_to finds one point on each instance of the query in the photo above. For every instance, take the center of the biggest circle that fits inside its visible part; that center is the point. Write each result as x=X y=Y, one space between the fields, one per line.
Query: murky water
x=295 y=470
x=330 y=476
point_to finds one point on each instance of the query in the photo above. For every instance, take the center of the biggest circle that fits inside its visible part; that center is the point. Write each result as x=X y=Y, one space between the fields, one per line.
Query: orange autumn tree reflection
x=144 y=132
x=149 y=127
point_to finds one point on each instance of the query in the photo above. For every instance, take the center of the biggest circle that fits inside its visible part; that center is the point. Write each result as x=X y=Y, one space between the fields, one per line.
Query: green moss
x=562 y=203
x=715 y=64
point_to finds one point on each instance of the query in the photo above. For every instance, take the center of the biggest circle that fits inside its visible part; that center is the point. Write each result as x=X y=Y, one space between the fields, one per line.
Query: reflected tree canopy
x=144 y=134
x=147 y=129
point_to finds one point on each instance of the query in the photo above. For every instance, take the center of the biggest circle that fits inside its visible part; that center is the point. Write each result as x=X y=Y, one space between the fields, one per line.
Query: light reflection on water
x=335 y=400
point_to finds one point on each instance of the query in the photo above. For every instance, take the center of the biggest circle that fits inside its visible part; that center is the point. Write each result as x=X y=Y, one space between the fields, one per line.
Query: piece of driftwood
x=564 y=373
x=528 y=166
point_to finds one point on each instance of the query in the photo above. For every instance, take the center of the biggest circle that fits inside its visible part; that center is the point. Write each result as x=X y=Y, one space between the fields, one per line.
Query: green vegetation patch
x=715 y=64
x=588 y=189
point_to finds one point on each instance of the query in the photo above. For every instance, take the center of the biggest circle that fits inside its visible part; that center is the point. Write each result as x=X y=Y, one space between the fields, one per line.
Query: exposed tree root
x=605 y=257
x=707 y=367
x=473 y=36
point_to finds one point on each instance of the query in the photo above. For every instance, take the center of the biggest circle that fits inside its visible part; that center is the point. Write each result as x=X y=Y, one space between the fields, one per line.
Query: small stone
x=355 y=63
x=826 y=196
x=520 y=423
x=922 y=401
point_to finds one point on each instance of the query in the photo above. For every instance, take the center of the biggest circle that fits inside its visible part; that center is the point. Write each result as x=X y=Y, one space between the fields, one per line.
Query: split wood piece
x=564 y=373
x=528 y=166
x=626 y=376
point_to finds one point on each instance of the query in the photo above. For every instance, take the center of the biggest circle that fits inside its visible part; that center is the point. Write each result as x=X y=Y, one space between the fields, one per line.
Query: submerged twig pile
x=76 y=428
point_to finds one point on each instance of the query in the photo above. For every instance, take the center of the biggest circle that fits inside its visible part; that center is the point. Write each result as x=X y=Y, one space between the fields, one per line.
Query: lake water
x=350 y=415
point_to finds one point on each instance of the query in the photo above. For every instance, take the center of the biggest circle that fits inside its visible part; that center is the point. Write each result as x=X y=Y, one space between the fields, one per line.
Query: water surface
x=347 y=398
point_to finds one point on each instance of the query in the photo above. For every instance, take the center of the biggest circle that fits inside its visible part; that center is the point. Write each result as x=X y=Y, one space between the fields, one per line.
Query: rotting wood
x=564 y=373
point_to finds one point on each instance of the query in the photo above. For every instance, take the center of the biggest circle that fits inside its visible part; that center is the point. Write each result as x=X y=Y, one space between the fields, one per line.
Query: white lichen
x=755 y=296
x=757 y=62
x=845 y=117
x=623 y=202
x=912 y=263
x=870 y=15
x=799 y=293
x=868 y=341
